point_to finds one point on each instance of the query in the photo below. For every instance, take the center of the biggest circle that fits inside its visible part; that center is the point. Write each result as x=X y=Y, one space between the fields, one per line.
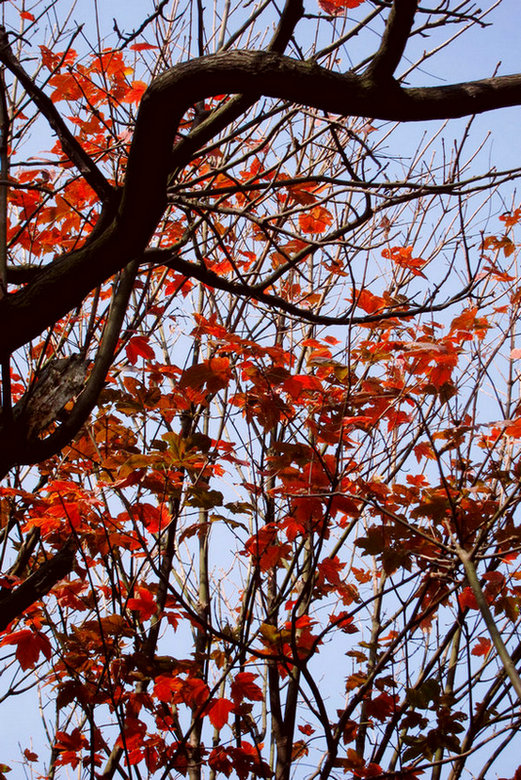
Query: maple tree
x=260 y=426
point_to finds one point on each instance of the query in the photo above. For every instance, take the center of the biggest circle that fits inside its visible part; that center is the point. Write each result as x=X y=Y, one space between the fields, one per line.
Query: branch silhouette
x=65 y=283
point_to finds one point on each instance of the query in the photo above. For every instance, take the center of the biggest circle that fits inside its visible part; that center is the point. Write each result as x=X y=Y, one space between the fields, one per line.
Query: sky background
x=476 y=55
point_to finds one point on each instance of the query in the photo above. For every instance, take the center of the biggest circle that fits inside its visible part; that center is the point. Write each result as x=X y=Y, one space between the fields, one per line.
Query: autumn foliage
x=286 y=538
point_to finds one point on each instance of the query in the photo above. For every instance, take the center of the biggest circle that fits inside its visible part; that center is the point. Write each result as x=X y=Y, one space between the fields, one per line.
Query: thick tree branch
x=21 y=274
x=36 y=586
x=291 y=15
x=394 y=40
x=31 y=449
x=5 y=131
x=207 y=128
x=55 y=291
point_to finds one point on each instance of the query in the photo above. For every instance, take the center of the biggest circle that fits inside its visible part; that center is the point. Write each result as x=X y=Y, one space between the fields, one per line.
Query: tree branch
x=291 y=15
x=486 y=614
x=36 y=586
x=31 y=449
x=394 y=40
x=65 y=283
x=71 y=147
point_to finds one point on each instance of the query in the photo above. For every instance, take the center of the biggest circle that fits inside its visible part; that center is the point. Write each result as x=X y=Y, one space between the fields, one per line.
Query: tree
x=260 y=427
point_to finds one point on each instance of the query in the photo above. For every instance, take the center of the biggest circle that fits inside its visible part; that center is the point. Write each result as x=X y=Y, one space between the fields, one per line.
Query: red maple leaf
x=144 y=603
x=482 y=646
x=336 y=7
x=244 y=687
x=165 y=686
x=29 y=645
x=219 y=712
x=137 y=347
x=467 y=599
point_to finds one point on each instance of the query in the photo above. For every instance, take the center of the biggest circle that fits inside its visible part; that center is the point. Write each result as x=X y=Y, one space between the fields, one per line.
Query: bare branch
x=71 y=147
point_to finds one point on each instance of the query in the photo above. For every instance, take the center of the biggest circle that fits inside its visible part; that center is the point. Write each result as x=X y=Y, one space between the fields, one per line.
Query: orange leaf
x=299 y=749
x=370 y=303
x=29 y=645
x=502 y=242
x=482 y=646
x=402 y=257
x=141 y=46
x=424 y=450
x=301 y=193
x=336 y=7
x=464 y=321
x=514 y=428
x=511 y=217
x=219 y=712
x=316 y=220
x=135 y=93
x=214 y=373
x=66 y=87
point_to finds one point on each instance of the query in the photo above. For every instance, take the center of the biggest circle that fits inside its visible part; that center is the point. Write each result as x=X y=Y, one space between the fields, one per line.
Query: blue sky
x=475 y=56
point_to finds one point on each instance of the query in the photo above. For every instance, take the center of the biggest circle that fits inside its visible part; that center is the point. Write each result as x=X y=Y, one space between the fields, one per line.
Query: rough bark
x=35 y=587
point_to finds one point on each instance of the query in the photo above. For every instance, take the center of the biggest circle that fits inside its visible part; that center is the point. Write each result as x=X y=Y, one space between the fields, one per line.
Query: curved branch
x=26 y=313
x=209 y=127
x=256 y=293
x=31 y=449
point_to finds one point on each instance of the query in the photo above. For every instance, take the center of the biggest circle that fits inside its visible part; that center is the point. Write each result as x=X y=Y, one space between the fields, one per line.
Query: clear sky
x=476 y=56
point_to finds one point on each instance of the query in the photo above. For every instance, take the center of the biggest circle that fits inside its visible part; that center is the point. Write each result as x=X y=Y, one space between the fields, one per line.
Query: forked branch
x=394 y=40
x=66 y=282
